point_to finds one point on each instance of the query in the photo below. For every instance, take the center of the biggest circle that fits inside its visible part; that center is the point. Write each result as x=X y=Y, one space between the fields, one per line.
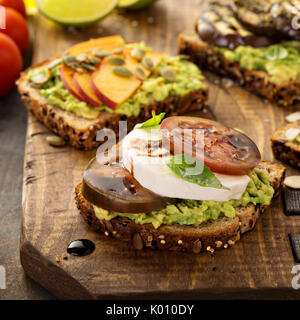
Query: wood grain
x=259 y=266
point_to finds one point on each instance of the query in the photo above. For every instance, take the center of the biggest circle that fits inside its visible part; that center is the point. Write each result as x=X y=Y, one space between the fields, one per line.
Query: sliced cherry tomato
x=223 y=149
x=112 y=187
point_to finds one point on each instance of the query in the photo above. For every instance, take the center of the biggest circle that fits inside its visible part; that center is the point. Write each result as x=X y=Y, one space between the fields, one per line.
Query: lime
x=134 y=4
x=76 y=12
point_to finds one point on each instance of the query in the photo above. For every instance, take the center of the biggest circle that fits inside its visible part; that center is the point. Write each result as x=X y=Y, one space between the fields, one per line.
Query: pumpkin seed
x=56 y=141
x=82 y=57
x=140 y=73
x=168 y=73
x=117 y=51
x=138 y=54
x=117 y=61
x=69 y=59
x=184 y=57
x=54 y=63
x=121 y=71
x=88 y=66
x=100 y=53
x=147 y=62
x=94 y=60
x=39 y=79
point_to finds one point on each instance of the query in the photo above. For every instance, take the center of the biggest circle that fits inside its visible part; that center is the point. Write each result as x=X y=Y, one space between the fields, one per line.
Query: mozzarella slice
x=145 y=158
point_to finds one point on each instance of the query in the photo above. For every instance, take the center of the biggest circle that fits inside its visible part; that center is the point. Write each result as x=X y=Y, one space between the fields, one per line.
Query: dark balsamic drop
x=81 y=247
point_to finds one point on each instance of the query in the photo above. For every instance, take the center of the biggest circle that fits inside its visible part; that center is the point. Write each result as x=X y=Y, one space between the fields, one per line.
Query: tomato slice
x=223 y=149
x=112 y=187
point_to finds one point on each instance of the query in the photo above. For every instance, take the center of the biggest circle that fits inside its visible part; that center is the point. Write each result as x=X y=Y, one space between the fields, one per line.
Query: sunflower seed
x=56 y=141
x=39 y=79
x=147 y=62
x=117 y=61
x=94 y=60
x=54 y=63
x=138 y=54
x=117 y=51
x=168 y=73
x=82 y=57
x=100 y=53
x=140 y=73
x=121 y=71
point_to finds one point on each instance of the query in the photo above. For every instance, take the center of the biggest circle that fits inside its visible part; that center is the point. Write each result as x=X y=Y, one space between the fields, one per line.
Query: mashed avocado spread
x=195 y=212
x=280 y=61
x=155 y=88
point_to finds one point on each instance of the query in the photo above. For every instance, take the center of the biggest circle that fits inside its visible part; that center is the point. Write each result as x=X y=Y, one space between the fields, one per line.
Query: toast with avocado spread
x=285 y=144
x=149 y=198
x=96 y=83
x=265 y=65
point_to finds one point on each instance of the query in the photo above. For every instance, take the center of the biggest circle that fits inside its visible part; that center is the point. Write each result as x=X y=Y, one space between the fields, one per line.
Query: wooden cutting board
x=258 y=266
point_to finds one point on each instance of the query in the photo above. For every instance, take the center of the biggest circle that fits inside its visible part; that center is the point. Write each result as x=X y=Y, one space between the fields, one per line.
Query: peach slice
x=111 y=88
x=66 y=75
x=83 y=83
x=104 y=43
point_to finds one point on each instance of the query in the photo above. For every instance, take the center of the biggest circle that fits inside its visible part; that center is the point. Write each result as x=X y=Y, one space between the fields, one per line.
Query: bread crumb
x=179 y=242
x=57 y=259
x=106 y=233
x=225 y=246
x=162 y=241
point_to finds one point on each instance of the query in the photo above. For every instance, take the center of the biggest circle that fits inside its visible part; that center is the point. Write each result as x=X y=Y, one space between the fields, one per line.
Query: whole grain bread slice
x=285 y=150
x=258 y=82
x=208 y=236
x=81 y=132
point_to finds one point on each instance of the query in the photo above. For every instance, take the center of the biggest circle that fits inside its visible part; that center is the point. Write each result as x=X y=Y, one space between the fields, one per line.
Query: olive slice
x=112 y=187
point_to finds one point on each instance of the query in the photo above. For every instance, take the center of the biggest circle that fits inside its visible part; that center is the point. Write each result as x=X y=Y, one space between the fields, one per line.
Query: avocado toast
x=101 y=81
x=147 y=198
x=266 y=65
x=285 y=144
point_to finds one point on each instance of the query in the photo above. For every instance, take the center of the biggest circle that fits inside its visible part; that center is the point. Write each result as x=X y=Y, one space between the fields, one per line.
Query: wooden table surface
x=159 y=26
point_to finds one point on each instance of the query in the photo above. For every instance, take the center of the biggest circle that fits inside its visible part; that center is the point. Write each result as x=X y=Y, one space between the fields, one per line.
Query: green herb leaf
x=195 y=171
x=276 y=52
x=153 y=122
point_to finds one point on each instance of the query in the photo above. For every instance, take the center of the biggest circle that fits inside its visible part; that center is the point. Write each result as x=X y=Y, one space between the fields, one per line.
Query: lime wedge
x=76 y=12
x=134 y=4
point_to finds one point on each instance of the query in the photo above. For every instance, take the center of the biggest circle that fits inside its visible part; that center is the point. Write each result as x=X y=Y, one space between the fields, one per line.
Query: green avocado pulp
x=195 y=212
x=280 y=61
x=155 y=88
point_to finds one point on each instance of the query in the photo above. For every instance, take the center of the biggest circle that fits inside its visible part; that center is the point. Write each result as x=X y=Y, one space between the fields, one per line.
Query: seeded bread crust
x=258 y=82
x=209 y=236
x=284 y=150
x=80 y=132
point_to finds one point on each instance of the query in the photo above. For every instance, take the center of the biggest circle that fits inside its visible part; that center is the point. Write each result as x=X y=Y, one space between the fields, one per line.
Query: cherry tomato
x=112 y=187
x=15 y=4
x=10 y=64
x=16 y=28
x=223 y=149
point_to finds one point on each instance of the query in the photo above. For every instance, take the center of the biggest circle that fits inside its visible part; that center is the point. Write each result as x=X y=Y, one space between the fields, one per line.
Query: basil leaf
x=153 y=122
x=276 y=52
x=195 y=171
